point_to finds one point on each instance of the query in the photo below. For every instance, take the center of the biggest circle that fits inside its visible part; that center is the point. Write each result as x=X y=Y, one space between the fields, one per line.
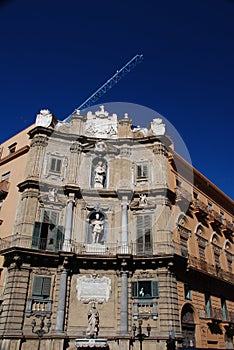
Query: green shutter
x=36 y=235
x=154 y=286
x=134 y=289
x=41 y=287
x=46 y=287
x=37 y=286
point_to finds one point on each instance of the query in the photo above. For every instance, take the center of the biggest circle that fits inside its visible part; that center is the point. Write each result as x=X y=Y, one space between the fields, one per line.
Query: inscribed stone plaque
x=93 y=289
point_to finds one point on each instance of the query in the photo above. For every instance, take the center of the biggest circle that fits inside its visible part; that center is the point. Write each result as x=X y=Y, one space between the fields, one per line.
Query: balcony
x=204 y=267
x=200 y=208
x=216 y=219
x=106 y=249
x=38 y=307
x=4 y=188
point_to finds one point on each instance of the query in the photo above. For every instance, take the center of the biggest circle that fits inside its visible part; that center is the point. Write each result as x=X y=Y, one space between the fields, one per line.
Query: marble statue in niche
x=97 y=225
x=99 y=174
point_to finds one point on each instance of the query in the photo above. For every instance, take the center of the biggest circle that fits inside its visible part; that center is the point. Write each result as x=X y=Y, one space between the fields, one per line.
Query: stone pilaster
x=26 y=214
x=61 y=308
x=68 y=225
x=124 y=303
x=160 y=164
x=125 y=196
x=72 y=174
x=14 y=299
x=163 y=225
x=37 y=152
x=168 y=301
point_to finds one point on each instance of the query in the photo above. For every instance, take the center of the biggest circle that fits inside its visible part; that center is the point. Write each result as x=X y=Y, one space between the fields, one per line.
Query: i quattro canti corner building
x=109 y=239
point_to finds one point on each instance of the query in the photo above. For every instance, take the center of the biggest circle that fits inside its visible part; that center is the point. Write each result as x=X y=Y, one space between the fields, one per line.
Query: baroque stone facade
x=113 y=227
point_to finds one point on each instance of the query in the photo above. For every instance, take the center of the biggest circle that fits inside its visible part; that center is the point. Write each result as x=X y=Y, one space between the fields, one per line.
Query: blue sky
x=55 y=54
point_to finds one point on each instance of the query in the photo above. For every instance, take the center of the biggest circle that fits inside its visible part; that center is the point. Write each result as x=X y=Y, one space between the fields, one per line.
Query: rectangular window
x=142 y=171
x=224 y=309
x=229 y=261
x=55 y=165
x=208 y=305
x=201 y=249
x=47 y=234
x=217 y=262
x=183 y=246
x=145 y=289
x=41 y=287
x=50 y=216
x=209 y=205
x=6 y=176
x=144 y=235
x=12 y=148
x=195 y=195
x=187 y=292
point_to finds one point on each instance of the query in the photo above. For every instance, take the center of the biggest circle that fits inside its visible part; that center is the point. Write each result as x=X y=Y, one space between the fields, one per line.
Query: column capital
x=125 y=194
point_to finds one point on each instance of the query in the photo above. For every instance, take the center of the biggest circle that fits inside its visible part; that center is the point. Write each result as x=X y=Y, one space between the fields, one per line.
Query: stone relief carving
x=143 y=200
x=157 y=127
x=93 y=289
x=101 y=125
x=100 y=147
x=44 y=118
x=52 y=195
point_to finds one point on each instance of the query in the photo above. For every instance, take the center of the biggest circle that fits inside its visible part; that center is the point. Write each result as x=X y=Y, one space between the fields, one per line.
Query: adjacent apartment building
x=117 y=241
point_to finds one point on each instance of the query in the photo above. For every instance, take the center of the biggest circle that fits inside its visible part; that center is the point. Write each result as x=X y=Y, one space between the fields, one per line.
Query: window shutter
x=154 y=287
x=145 y=171
x=134 y=289
x=140 y=226
x=59 y=238
x=138 y=171
x=46 y=287
x=37 y=286
x=36 y=235
x=52 y=164
x=53 y=217
x=140 y=233
x=58 y=165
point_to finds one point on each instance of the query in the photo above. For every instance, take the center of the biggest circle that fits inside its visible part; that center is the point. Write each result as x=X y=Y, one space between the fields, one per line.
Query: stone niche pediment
x=100 y=148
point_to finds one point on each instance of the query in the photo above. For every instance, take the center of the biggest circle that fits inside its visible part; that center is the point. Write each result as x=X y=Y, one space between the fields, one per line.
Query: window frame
x=142 y=171
x=55 y=169
x=137 y=285
x=187 y=292
x=144 y=242
x=41 y=287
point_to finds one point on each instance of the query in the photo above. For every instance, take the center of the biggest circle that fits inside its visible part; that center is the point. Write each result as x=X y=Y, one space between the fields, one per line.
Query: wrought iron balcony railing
x=109 y=249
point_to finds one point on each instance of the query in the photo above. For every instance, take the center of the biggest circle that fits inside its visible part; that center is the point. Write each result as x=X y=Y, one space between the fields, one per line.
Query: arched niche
x=99 y=173
x=96 y=232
